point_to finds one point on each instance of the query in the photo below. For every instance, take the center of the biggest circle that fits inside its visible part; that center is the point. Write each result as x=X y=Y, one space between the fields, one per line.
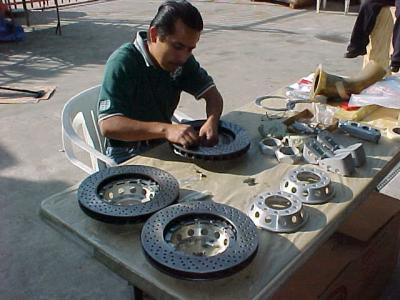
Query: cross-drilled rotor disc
x=127 y=193
x=199 y=240
x=233 y=141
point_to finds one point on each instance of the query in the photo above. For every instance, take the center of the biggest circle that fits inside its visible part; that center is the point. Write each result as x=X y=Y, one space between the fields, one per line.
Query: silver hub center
x=200 y=237
x=129 y=192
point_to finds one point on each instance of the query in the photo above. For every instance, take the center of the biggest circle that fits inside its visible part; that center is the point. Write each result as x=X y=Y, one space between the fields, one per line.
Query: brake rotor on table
x=127 y=193
x=233 y=141
x=199 y=240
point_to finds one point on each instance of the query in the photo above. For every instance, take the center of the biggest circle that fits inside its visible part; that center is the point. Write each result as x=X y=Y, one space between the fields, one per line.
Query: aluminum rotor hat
x=310 y=184
x=233 y=141
x=127 y=194
x=199 y=240
x=277 y=212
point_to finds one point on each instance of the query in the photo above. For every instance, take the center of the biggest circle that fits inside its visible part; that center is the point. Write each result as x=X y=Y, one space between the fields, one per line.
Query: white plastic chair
x=80 y=114
x=346 y=5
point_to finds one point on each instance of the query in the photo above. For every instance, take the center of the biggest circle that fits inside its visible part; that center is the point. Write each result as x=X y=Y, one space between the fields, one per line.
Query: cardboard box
x=365 y=277
x=370 y=216
x=355 y=265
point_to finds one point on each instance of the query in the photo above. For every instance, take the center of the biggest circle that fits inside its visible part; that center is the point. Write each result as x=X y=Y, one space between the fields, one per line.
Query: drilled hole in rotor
x=199 y=235
x=277 y=202
x=126 y=190
x=308 y=177
x=396 y=130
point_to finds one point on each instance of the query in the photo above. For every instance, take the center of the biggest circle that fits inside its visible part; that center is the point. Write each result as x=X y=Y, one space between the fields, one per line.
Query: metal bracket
x=356 y=150
x=341 y=163
x=287 y=154
x=357 y=153
x=361 y=131
x=326 y=138
x=313 y=152
x=296 y=140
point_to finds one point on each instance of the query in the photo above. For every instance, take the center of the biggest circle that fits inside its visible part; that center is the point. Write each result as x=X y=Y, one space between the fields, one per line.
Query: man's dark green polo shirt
x=135 y=88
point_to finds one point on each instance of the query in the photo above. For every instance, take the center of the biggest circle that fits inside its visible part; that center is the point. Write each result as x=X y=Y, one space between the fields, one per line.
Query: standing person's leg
x=395 y=61
x=363 y=26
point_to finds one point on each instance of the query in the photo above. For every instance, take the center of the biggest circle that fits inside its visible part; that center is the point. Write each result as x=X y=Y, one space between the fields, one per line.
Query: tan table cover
x=278 y=254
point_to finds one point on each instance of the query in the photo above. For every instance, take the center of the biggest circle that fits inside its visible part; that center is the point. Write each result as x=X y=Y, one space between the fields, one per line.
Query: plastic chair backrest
x=80 y=113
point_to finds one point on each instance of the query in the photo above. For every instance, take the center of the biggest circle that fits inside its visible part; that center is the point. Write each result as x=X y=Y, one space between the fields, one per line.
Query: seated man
x=143 y=81
x=364 y=25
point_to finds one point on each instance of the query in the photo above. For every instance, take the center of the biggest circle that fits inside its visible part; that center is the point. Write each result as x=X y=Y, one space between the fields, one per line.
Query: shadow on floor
x=45 y=55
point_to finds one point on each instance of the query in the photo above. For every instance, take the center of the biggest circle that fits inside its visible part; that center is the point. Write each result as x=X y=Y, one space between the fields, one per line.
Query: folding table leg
x=137 y=293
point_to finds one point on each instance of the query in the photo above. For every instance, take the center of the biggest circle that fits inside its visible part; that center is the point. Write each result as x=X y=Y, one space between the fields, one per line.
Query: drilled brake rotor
x=127 y=193
x=233 y=141
x=199 y=240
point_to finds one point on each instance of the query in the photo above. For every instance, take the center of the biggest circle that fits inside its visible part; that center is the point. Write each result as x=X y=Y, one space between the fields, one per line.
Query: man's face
x=172 y=51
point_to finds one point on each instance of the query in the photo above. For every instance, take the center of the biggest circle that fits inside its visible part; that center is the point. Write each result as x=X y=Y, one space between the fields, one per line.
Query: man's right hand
x=182 y=134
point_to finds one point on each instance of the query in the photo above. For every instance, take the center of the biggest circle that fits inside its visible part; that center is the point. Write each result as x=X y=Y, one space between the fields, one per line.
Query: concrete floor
x=249 y=48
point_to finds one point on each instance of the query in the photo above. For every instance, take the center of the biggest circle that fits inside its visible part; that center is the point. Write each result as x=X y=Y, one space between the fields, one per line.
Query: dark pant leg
x=396 y=38
x=365 y=22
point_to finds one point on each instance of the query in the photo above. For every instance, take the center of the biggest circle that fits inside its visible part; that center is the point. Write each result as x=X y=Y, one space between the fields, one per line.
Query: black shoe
x=355 y=53
x=394 y=69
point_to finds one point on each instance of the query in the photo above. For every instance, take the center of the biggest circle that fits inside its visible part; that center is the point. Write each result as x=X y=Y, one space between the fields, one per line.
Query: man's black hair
x=171 y=11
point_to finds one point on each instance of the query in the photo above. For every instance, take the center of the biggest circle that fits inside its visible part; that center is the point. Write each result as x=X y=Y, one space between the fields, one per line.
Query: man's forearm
x=214 y=104
x=125 y=129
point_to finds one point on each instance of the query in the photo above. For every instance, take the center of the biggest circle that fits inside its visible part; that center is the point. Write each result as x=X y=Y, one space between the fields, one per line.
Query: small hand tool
x=38 y=94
